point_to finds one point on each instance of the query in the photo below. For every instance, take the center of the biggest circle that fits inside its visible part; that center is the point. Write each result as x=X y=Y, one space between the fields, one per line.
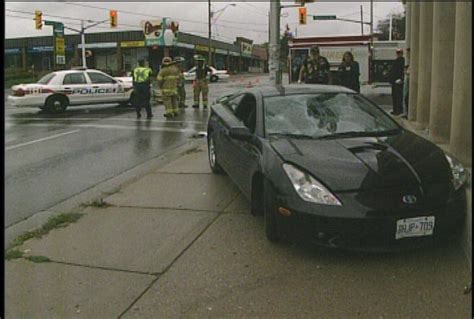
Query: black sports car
x=325 y=164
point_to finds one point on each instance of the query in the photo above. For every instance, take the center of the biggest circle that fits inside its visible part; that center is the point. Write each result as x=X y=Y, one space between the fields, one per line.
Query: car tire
x=214 y=78
x=56 y=104
x=211 y=152
x=269 y=213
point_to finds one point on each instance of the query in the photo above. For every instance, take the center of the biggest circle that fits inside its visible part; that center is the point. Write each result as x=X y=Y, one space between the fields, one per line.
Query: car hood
x=349 y=164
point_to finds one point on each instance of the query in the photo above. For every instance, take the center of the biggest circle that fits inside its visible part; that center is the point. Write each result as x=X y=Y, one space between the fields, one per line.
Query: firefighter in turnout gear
x=201 y=83
x=168 y=83
x=181 y=90
x=315 y=69
x=141 y=89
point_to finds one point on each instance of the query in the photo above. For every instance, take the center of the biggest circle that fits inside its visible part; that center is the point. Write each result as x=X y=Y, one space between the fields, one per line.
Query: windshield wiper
x=291 y=135
x=359 y=134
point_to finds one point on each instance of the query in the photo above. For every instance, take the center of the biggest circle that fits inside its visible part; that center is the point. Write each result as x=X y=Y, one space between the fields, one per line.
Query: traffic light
x=38 y=20
x=302 y=15
x=113 y=18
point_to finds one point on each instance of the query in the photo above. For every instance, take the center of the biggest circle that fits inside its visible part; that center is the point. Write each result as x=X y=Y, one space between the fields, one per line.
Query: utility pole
x=210 y=39
x=390 y=28
x=371 y=62
x=83 y=42
x=274 y=45
x=361 y=20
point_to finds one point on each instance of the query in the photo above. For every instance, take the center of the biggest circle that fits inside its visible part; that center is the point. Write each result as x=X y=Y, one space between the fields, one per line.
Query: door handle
x=95 y=87
x=67 y=88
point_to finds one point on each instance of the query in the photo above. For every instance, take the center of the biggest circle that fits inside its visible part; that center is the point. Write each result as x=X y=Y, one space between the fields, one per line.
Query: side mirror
x=240 y=133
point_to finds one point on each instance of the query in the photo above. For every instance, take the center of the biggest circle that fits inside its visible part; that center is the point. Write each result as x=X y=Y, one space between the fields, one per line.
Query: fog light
x=284 y=211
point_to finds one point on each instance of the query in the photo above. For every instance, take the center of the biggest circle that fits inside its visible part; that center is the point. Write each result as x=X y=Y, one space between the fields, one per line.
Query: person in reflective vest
x=181 y=90
x=141 y=89
x=168 y=78
x=201 y=84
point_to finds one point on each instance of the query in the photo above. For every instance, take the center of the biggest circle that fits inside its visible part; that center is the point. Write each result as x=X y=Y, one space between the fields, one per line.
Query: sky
x=246 y=19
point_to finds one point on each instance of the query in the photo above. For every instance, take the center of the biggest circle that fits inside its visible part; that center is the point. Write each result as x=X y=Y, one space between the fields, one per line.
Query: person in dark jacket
x=397 y=74
x=349 y=72
x=315 y=69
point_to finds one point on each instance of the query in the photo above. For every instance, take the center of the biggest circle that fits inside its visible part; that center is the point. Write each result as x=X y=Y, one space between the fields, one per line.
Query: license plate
x=412 y=227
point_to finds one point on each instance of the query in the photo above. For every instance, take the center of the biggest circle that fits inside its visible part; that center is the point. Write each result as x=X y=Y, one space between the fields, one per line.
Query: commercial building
x=118 y=52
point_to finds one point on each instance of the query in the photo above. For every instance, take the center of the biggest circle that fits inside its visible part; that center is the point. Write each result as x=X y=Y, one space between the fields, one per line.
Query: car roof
x=75 y=71
x=276 y=90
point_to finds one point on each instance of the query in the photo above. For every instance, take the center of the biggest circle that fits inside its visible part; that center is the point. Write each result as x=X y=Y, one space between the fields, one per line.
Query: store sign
x=103 y=45
x=204 y=48
x=132 y=44
x=246 y=48
x=12 y=51
x=185 y=45
x=162 y=32
x=60 y=46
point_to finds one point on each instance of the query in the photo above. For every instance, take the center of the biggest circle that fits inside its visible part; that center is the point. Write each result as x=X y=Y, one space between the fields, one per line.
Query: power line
x=152 y=16
x=124 y=24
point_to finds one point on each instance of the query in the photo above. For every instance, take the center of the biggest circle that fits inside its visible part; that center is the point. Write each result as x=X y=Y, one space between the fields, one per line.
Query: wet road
x=51 y=157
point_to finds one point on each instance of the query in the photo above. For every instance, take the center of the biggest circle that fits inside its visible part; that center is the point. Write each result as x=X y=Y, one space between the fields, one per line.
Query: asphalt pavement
x=52 y=157
x=180 y=242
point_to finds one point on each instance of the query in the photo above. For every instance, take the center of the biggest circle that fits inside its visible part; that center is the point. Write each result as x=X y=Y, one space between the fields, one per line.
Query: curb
x=100 y=191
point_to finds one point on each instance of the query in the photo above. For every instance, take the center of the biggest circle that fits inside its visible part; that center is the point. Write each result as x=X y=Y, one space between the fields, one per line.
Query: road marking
x=40 y=140
x=100 y=119
x=140 y=127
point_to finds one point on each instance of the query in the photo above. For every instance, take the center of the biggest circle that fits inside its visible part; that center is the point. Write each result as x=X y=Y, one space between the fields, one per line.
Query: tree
x=398 y=27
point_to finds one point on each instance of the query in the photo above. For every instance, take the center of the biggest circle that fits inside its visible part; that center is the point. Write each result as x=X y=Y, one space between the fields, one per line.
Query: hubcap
x=212 y=154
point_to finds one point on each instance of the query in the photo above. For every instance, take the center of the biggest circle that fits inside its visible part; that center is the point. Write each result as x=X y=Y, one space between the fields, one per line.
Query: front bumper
x=370 y=231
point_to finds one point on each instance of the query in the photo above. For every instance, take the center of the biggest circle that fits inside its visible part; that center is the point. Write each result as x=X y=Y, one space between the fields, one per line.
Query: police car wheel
x=56 y=104
x=214 y=78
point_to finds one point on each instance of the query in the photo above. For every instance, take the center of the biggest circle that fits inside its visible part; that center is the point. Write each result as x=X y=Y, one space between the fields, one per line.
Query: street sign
x=324 y=18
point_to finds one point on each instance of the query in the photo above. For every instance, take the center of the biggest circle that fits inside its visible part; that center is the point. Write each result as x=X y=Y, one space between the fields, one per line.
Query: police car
x=215 y=76
x=57 y=90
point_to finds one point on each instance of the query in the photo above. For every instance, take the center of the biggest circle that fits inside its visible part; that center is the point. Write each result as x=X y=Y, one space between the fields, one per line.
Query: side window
x=233 y=102
x=99 y=78
x=75 y=78
x=246 y=111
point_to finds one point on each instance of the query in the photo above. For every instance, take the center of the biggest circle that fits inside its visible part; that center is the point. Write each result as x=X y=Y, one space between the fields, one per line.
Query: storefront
x=13 y=58
x=132 y=52
x=101 y=56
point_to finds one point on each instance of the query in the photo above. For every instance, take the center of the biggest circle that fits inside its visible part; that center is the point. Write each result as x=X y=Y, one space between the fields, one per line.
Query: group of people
x=316 y=70
x=170 y=81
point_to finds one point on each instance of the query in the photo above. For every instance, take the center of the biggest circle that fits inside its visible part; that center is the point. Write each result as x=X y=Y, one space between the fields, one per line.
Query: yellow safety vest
x=141 y=74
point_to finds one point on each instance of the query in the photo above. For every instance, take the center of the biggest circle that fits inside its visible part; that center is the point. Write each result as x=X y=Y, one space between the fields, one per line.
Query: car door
x=76 y=86
x=105 y=89
x=243 y=156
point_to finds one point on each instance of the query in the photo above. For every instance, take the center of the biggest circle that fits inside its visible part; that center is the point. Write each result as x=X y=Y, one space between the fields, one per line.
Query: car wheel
x=214 y=78
x=269 y=211
x=56 y=104
x=211 y=151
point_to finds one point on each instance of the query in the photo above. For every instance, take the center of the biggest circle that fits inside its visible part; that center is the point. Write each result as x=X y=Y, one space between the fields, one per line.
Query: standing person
x=168 y=83
x=181 y=90
x=349 y=72
x=141 y=88
x=315 y=69
x=201 y=84
x=396 y=78
x=406 y=86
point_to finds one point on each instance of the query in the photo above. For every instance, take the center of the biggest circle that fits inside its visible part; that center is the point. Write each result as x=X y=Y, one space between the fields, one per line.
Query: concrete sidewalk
x=180 y=243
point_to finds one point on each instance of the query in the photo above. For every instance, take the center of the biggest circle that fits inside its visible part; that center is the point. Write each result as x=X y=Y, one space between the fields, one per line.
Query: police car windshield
x=45 y=79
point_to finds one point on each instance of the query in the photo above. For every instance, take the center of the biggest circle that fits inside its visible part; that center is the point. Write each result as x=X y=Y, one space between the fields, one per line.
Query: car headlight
x=458 y=171
x=308 y=188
